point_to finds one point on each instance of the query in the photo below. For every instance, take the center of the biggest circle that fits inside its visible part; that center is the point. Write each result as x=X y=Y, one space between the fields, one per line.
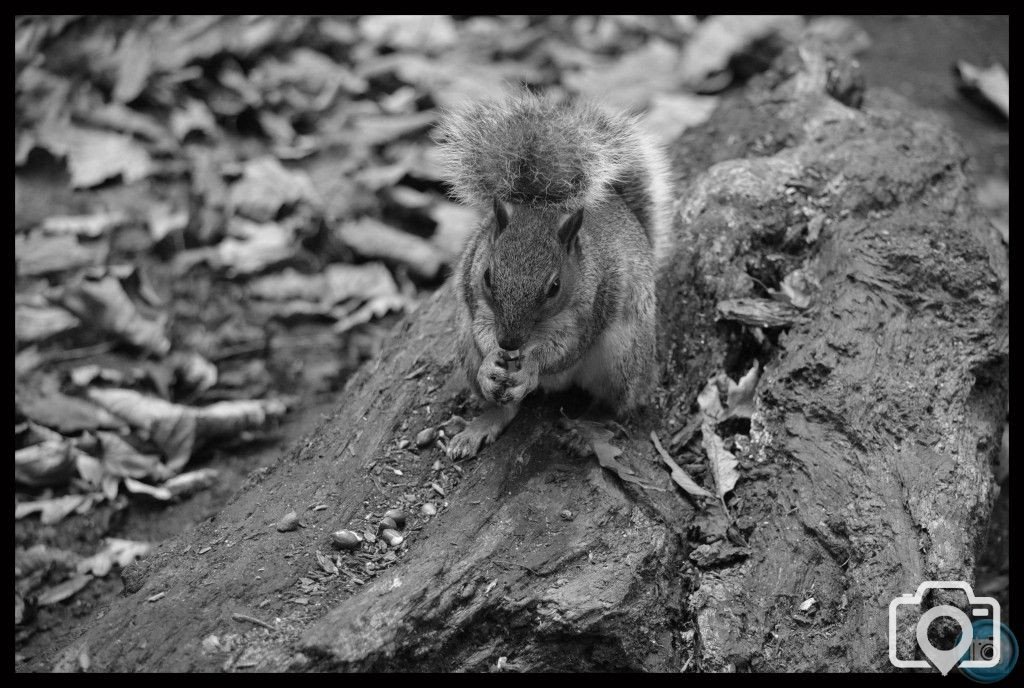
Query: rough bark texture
x=867 y=468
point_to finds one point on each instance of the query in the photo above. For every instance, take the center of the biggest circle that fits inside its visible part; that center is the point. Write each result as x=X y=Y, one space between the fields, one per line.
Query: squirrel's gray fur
x=563 y=267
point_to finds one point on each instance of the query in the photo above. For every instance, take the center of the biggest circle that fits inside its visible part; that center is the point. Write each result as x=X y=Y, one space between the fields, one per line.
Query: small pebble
x=402 y=444
x=425 y=437
x=398 y=516
x=346 y=539
x=289 y=521
x=429 y=509
x=392 y=537
x=387 y=523
x=566 y=514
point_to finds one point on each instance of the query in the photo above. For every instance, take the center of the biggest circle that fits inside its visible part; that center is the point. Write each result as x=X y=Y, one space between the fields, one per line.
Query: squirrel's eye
x=487 y=277
x=553 y=289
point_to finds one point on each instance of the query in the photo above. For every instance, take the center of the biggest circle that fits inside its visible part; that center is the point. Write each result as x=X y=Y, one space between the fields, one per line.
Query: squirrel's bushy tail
x=530 y=150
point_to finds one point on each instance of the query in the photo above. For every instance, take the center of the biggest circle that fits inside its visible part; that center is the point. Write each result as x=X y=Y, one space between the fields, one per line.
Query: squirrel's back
x=532 y=151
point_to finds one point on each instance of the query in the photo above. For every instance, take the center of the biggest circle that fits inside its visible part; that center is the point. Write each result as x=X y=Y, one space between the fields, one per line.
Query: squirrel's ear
x=570 y=228
x=500 y=216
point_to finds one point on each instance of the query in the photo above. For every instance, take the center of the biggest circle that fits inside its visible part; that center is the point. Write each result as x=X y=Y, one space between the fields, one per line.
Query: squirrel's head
x=531 y=270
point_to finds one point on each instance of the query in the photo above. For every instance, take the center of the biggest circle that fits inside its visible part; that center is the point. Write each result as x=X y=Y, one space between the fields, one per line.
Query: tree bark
x=864 y=471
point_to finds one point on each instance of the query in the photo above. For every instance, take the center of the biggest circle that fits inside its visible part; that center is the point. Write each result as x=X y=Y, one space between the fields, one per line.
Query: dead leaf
x=41 y=401
x=266 y=186
x=191 y=482
x=37 y=323
x=418 y=33
x=89 y=226
x=263 y=245
x=719 y=38
x=137 y=487
x=337 y=283
x=165 y=218
x=723 y=463
x=598 y=438
x=104 y=305
x=797 y=288
x=193 y=374
x=63 y=591
x=630 y=81
x=40 y=254
x=194 y=115
x=123 y=460
x=681 y=477
x=47 y=463
x=176 y=429
x=371 y=238
x=94 y=156
x=992 y=84
x=51 y=510
x=740 y=396
x=670 y=114
x=169 y=426
x=115 y=551
x=376 y=307
x=759 y=312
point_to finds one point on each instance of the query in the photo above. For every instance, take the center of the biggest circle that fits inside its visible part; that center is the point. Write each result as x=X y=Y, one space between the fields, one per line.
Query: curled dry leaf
x=670 y=114
x=251 y=248
x=104 y=305
x=43 y=403
x=36 y=322
x=373 y=239
x=94 y=156
x=39 y=254
x=992 y=84
x=598 y=438
x=193 y=373
x=375 y=308
x=759 y=312
x=123 y=460
x=53 y=510
x=48 y=463
x=337 y=283
x=90 y=226
x=115 y=551
x=721 y=37
x=191 y=482
x=797 y=289
x=137 y=487
x=722 y=463
x=169 y=426
x=266 y=186
x=681 y=478
x=176 y=429
x=630 y=81
x=740 y=396
x=62 y=591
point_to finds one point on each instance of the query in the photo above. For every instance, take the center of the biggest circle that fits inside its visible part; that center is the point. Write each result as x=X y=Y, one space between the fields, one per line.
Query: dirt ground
x=911 y=55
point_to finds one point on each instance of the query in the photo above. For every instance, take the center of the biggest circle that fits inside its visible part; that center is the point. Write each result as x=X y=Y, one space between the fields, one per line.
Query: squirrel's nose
x=509 y=343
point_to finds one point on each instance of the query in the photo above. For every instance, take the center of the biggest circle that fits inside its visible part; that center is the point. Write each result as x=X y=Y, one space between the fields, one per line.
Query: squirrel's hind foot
x=481 y=431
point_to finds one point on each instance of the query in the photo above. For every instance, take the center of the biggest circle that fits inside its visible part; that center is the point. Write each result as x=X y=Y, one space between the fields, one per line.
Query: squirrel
x=557 y=287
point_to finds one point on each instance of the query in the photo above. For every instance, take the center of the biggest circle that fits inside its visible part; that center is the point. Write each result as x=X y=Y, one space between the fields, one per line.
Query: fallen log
x=864 y=470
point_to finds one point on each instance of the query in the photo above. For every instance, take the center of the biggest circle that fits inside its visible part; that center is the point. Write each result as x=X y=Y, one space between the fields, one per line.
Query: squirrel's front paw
x=522 y=382
x=500 y=385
